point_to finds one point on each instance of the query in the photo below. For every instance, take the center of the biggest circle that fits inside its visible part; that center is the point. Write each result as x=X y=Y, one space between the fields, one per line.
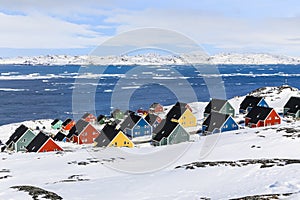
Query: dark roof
x=164 y=129
x=176 y=111
x=154 y=105
x=114 y=113
x=128 y=112
x=59 y=136
x=293 y=104
x=130 y=121
x=100 y=117
x=85 y=115
x=108 y=133
x=17 y=134
x=37 y=142
x=250 y=101
x=215 y=105
x=66 y=122
x=151 y=118
x=54 y=122
x=71 y=132
x=258 y=113
x=181 y=104
x=214 y=121
x=79 y=127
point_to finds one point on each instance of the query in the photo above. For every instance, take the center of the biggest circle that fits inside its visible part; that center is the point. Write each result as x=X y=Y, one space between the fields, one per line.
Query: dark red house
x=83 y=133
x=156 y=108
x=262 y=116
x=42 y=143
x=88 y=117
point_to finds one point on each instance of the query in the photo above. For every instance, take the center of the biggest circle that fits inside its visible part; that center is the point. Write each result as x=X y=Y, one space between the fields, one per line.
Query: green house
x=20 y=139
x=56 y=124
x=168 y=132
x=117 y=114
x=220 y=106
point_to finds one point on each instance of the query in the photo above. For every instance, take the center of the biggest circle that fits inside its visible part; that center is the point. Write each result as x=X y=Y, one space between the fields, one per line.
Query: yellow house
x=121 y=140
x=183 y=115
x=110 y=136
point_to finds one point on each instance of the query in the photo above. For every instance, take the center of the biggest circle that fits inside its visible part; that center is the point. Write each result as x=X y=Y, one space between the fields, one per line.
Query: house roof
x=17 y=134
x=214 y=121
x=154 y=105
x=130 y=121
x=54 y=122
x=164 y=129
x=66 y=122
x=115 y=112
x=100 y=117
x=108 y=133
x=258 y=113
x=176 y=111
x=37 y=142
x=293 y=104
x=128 y=112
x=79 y=127
x=151 y=118
x=59 y=136
x=71 y=132
x=250 y=101
x=85 y=115
x=215 y=104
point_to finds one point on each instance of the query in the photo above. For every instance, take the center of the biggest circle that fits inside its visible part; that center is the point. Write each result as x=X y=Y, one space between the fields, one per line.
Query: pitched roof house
x=136 y=126
x=88 y=117
x=182 y=114
x=83 y=133
x=153 y=120
x=110 y=136
x=42 y=143
x=20 y=139
x=156 y=108
x=217 y=123
x=292 y=108
x=219 y=105
x=59 y=137
x=56 y=124
x=251 y=101
x=101 y=119
x=168 y=132
x=67 y=124
x=262 y=116
x=117 y=114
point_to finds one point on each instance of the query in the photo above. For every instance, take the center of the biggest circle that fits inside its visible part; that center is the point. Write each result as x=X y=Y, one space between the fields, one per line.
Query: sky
x=35 y=27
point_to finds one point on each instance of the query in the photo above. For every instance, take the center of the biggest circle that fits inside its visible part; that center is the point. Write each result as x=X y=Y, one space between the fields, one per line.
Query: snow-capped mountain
x=153 y=59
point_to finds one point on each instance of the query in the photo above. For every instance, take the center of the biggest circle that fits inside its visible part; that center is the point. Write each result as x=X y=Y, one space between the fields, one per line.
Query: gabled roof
x=258 y=113
x=54 y=122
x=85 y=115
x=71 y=132
x=66 y=122
x=250 y=101
x=17 y=134
x=108 y=133
x=151 y=118
x=214 y=121
x=130 y=121
x=37 y=142
x=293 y=104
x=164 y=129
x=79 y=127
x=176 y=111
x=100 y=117
x=215 y=105
x=59 y=136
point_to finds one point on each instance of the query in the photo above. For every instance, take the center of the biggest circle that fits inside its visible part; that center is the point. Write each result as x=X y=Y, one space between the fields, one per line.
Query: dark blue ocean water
x=38 y=92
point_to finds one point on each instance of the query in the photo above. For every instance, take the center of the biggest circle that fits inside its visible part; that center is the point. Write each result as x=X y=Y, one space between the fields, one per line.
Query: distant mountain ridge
x=153 y=59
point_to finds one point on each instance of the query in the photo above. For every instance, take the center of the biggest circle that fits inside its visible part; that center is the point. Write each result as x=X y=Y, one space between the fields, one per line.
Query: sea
x=47 y=92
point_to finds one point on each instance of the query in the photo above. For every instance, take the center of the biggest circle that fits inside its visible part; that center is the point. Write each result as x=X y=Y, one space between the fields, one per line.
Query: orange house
x=67 y=124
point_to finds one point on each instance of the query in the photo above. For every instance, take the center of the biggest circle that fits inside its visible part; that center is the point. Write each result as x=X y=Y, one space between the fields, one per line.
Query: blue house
x=251 y=101
x=136 y=126
x=218 y=122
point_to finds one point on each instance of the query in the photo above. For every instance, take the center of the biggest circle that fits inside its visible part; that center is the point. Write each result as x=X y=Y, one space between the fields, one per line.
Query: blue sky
x=35 y=27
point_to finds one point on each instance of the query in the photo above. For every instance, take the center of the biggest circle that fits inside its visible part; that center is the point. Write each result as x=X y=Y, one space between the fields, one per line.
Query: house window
x=137 y=127
x=124 y=142
x=116 y=143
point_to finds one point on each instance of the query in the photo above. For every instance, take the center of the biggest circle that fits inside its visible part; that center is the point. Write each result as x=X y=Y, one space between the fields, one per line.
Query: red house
x=88 y=117
x=67 y=124
x=42 y=143
x=262 y=116
x=83 y=133
x=156 y=108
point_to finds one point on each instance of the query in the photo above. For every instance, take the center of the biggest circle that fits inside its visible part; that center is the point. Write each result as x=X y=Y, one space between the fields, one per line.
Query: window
x=116 y=143
x=137 y=127
x=24 y=140
x=124 y=142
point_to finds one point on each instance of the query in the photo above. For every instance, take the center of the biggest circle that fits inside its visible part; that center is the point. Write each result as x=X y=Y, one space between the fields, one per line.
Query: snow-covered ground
x=146 y=172
x=152 y=59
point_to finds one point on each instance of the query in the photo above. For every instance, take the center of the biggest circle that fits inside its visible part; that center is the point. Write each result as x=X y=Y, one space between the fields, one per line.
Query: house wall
x=228 y=109
x=142 y=128
x=57 y=125
x=69 y=126
x=24 y=140
x=88 y=135
x=50 y=146
x=229 y=125
x=263 y=103
x=91 y=118
x=187 y=119
x=178 y=135
x=121 y=141
x=272 y=119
